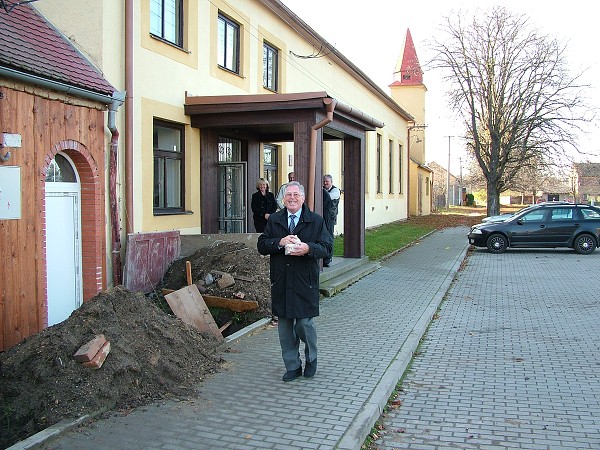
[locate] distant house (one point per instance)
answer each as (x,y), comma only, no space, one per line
(586,182)
(440,187)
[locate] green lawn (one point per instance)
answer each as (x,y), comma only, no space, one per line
(385,239)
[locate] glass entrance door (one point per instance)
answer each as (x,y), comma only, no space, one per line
(232,197)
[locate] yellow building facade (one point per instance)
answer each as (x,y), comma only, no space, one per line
(168,53)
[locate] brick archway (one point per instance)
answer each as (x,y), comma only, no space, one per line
(91,178)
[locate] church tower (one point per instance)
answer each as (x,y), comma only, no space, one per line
(408,90)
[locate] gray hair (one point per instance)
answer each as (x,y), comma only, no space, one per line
(295,183)
(327,177)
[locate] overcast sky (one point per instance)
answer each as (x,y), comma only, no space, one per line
(372,37)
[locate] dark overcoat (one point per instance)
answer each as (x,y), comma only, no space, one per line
(295,279)
(261,205)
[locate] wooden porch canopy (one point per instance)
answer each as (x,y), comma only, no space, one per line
(306,119)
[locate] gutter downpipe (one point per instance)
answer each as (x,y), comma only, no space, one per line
(129,125)
(330,104)
(408,170)
(119,98)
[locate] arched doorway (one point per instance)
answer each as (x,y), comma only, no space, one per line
(63,239)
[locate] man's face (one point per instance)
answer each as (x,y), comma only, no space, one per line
(291,176)
(327,183)
(293,199)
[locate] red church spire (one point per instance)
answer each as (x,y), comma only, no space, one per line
(408,70)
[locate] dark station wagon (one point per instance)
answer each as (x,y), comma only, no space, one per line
(542,226)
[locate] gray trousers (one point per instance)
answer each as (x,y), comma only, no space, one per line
(291,332)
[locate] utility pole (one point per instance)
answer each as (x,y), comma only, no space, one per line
(460,198)
(448,180)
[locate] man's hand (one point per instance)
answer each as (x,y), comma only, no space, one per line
(289,239)
(298,249)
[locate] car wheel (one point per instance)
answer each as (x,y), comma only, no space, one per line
(584,244)
(497,243)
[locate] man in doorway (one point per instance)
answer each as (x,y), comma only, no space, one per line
(281,193)
(295,238)
(334,194)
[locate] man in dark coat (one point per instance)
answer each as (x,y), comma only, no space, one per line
(329,224)
(295,238)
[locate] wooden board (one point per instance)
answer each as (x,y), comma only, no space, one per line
(189,306)
(222,302)
(230,303)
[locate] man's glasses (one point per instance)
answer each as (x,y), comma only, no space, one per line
(293,194)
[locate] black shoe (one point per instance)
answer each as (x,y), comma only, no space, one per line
(310,369)
(326,264)
(292,374)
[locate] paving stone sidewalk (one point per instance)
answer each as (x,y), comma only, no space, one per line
(367,334)
(512,362)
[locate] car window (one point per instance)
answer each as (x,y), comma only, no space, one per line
(561,214)
(589,213)
(533,216)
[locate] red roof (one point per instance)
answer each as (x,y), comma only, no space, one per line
(31,45)
(408,70)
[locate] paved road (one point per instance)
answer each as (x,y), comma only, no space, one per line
(367,334)
(513,361)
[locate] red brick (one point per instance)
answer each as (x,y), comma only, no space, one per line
(87,351)
(100,357)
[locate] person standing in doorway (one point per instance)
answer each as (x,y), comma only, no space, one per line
(263,205)
(280,194)
(295,238)
(331,220)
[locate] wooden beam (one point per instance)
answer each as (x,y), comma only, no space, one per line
(222,302)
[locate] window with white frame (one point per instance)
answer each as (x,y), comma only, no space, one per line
(228,44)
(379,163)
(270,67)
(166,20)
(391,166)
(400,178)
(168,145)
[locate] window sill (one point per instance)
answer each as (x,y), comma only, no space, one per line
(172,44)
(167,212)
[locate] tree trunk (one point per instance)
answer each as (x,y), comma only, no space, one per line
(493,199)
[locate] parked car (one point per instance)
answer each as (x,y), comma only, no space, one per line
(504,216)
(547,225)
(498,218)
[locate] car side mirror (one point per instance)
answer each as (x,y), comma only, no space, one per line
(520,222)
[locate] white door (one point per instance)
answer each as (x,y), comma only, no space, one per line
(63,245)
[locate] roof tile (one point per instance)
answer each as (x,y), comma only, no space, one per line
(33,46)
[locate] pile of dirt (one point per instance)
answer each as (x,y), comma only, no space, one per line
(249,269)
(153,355)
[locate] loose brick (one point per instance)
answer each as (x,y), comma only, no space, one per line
(100,357)
(87,351)
(225,281)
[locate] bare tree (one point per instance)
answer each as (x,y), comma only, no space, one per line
(511,86)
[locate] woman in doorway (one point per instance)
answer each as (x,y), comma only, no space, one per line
(263,205)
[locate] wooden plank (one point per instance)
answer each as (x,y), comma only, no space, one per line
(188,305)
(225,326)
(230,303)
(222,302)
